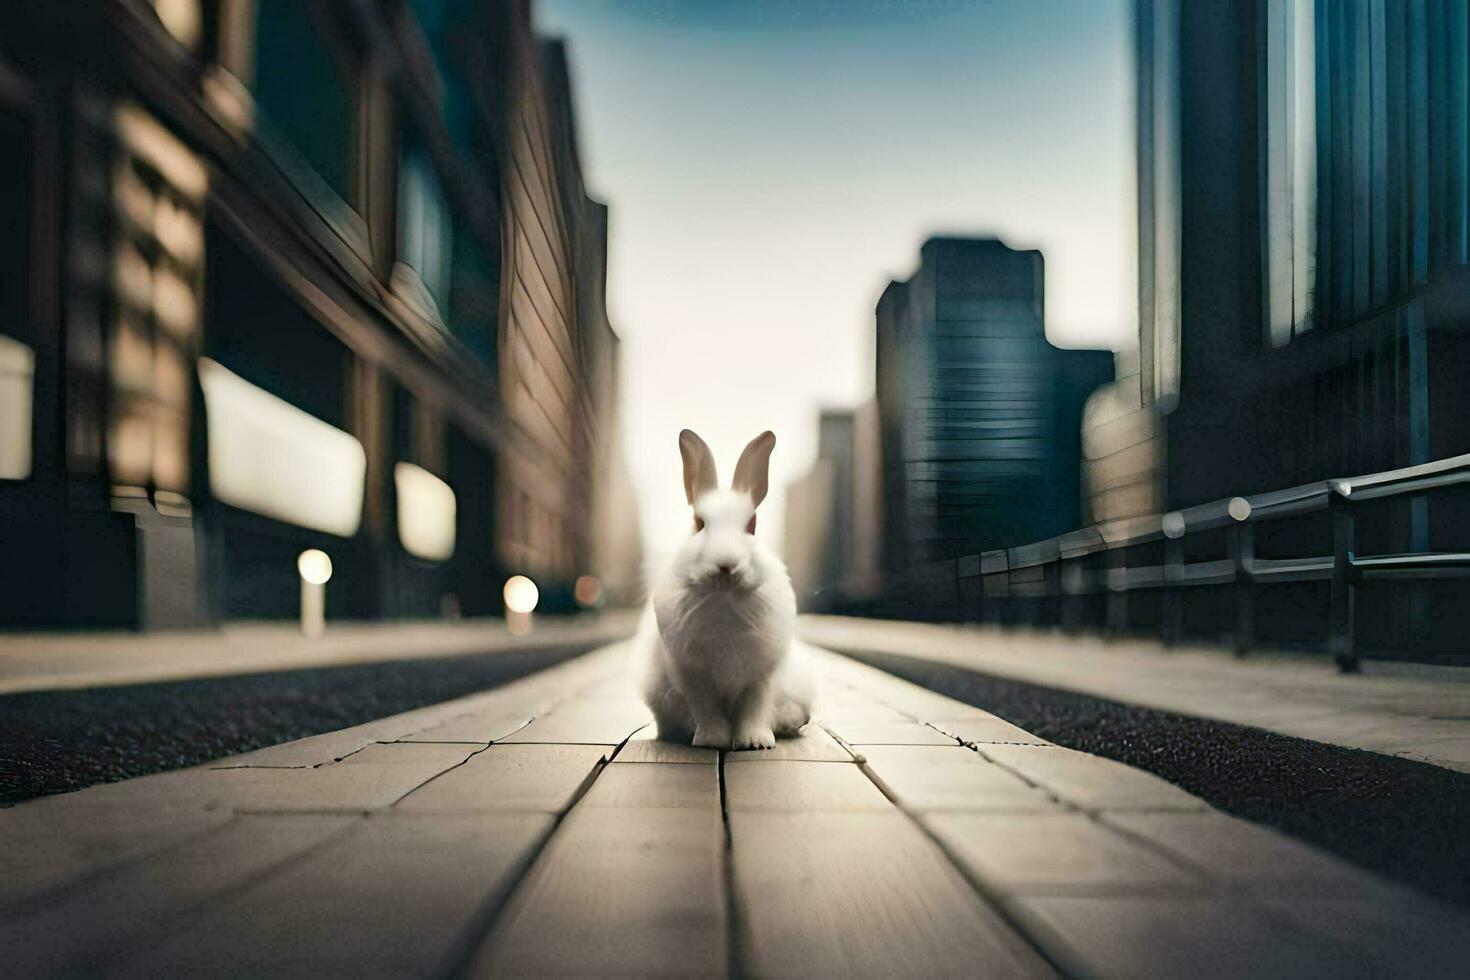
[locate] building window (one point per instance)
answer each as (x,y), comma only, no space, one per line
(158,189)
(270,457)
(1393,155)
(1289,168)
(17,369)
(302,88)
(452,30)
(474,295)
(17,358)
(443,267)
(425,233)
(426,513)
(1159,200)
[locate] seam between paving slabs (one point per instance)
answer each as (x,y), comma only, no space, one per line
(971,743)
(734,921)
(987,895)
(313,765)
(485,918)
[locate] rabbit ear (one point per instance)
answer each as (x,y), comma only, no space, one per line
(699,465)
(753,471)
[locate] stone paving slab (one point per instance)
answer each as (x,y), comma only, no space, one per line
(73,931)
(1415,711)
(1400,935)
(813,744)
(1089,781)
(657,784)
(394,898)
(863,734)
(1176,936)
(625,891)
(586,721)
(862,894)
(473,727)
(801,787)
(511,776)
(980,731)
(1056,852)
(47,846)
(883,841)
(1235,853)
(953,777)
(643,747)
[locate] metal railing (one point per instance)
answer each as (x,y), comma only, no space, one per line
(1060,573)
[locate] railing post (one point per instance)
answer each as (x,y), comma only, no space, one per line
(1008,615)
(1173,625)
(994,586)
(1051,579)
(1117,585)
(1342,638)
(1072,576)
(1243,556)
(971,592)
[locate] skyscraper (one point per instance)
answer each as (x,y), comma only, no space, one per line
(980,414)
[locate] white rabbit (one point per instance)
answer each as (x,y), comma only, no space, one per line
(721,668)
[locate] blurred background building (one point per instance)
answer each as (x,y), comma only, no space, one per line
(1303,238)
(980,415)
(977,431)
(1304,313)
(292,274)
(1304,293)
(833,530)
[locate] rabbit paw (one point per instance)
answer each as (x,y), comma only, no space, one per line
(712,734)
(754,737)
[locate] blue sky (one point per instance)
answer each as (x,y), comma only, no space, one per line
(771,165)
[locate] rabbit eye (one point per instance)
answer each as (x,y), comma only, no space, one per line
(698,524)
(750,528)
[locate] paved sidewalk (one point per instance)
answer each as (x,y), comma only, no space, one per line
(58,661)
(1413,711)
(536,830)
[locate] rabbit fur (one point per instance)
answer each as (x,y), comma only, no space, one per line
(718,633)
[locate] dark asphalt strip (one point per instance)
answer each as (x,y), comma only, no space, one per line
(56,741)
(1405,820)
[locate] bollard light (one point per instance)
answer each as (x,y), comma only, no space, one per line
(315,568)
(588,592)
(521,596)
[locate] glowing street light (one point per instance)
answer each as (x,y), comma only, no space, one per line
(315,568)
(587,591)
(521,596)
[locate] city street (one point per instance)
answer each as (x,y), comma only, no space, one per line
(537,829)
(404,403)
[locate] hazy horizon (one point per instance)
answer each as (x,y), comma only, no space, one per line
(769,167)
